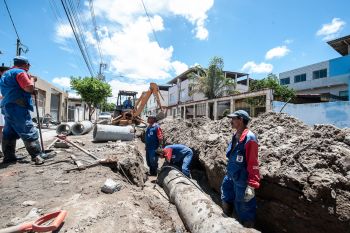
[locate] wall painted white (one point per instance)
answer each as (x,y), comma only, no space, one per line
(335,113)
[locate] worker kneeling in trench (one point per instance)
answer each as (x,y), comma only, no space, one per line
(242,173)
(177,155)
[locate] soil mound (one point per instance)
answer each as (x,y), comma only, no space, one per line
(305,170)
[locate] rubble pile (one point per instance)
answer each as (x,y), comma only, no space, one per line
(129,160)
(305,170)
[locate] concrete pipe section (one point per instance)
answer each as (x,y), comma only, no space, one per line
(65,128)
(104,133)
(198,212)
(82,127)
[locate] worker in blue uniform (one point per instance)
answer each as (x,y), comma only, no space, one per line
(17,87)
(177,155)
(154,140)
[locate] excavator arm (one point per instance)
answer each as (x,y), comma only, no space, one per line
(141,102)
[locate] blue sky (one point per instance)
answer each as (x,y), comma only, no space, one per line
(254,36)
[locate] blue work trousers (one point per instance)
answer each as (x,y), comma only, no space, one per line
(233,194)
(152,161)
(18,123)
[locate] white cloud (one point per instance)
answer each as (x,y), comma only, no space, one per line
(251,67)
(288,41)
(127,86)
(63,31)
(134,55)
(279,51)
(331,30)
(179,67)
(124,12)
(62,81)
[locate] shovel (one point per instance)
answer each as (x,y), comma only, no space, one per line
(38,120)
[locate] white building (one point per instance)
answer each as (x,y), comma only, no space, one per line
(151,107)
(77,110)
(328,77)
(179,92)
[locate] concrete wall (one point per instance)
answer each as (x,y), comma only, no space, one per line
(339,66)
(302,70)
(335,113)
(45,90)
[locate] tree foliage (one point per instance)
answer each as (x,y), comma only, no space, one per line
(211,81)
(280,92)
(91,90)
(107,107)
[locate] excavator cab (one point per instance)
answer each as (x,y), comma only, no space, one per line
(127,113)
(123,105)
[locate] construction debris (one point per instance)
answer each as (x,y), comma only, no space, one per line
(305,170)
(110,186)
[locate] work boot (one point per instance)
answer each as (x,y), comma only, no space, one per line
(249,224)
(227,209)
(34,149)
(9,150)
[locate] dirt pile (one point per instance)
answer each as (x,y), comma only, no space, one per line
(129,159)
(305,170)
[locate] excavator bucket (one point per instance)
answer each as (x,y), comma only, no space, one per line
(160,116)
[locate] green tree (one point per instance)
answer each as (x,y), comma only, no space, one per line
(107,107)
(91,90)
(280,92)
(211,81)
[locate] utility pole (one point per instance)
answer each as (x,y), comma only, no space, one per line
(100,75)
(18,48)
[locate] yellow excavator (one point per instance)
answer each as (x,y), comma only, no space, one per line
(129,116)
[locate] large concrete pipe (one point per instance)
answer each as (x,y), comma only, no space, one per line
(65,128)
(198,212)
(82,127)
(103,133)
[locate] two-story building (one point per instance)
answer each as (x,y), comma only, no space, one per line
(152,107)
(325,78)
(180,92)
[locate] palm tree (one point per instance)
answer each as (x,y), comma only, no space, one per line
(211,81)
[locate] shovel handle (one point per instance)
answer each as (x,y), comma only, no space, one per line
(59,217)
(20,228)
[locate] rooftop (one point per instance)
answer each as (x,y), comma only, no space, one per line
(183,76)
(341,45)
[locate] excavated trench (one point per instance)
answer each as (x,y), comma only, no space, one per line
(305,170)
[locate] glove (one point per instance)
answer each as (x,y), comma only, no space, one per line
(249,193)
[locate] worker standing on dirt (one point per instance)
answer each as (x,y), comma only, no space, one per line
(242,173)
(17,88)
(154,140)
(177,155)
(2,119)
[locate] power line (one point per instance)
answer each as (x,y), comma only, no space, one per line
(77,21)
(70,19)
(93,18)
(149,19)
(13,24)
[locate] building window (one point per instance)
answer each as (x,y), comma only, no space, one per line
(320,74)
(300,78)
(344,94)
(172,98)
(285,81)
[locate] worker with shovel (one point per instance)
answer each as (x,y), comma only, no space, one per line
(242,172)
(16,88)
(177,155)
(154,140)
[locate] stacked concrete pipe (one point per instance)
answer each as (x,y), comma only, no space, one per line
(198,212)
(83,127)
(65,128)
(104,133)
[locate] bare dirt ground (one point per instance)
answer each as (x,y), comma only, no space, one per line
(41,189)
